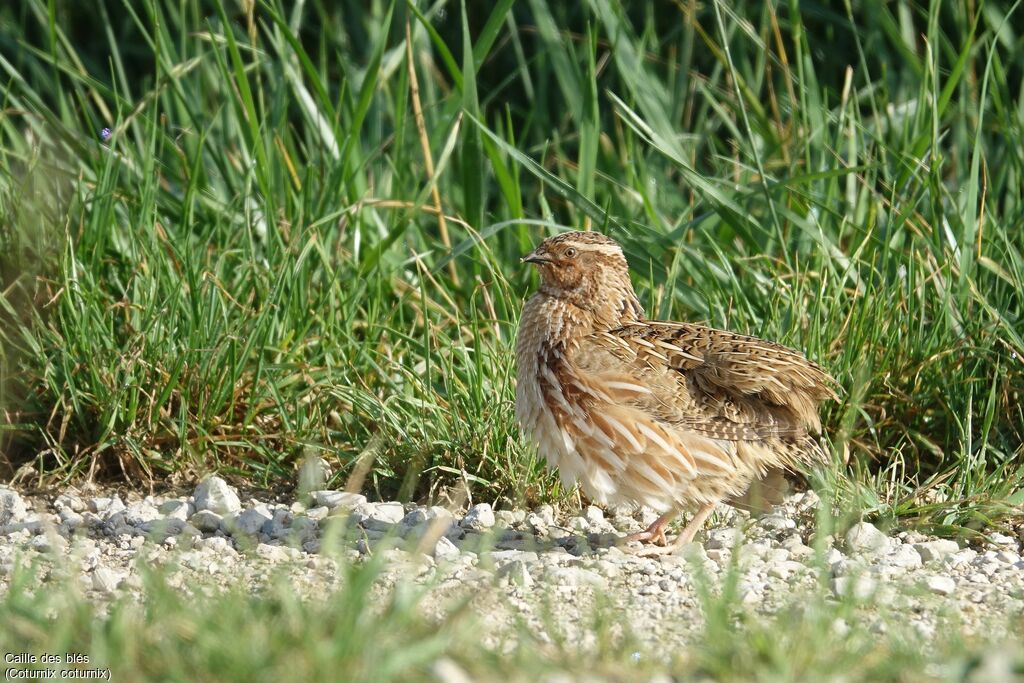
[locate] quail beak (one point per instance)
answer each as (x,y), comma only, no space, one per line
(534,257)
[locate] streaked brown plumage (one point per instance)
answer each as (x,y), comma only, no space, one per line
(670,415)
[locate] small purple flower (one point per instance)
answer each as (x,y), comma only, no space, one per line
(105,134)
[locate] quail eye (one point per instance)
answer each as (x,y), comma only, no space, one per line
(570,252)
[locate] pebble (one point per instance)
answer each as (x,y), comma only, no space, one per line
(865,538)
(379,516)
(575,576)
(935,550)
(905,556)
(445,550)
(339,499)
(249,522)
(517,572)
(480,516)
(214,494)
(106,580)
(859,587)
(940,585)
(206,521)
(12,507)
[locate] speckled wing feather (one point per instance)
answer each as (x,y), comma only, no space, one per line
(723,385)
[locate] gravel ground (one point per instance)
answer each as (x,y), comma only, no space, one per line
(510,563)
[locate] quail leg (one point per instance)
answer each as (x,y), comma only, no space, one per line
(684,537)
(655,533)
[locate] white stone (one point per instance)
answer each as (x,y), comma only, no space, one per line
(426,516)
(272,553)
(546,514)
(865,538)
(317,513)
(575,576)
(904,556)
(106,506)
(445,670)
(214,494)
(379,516)
(205,520)
(138,514)
(777,522)
(940,585)
(517,572)
(64,501)
(217,545)
(106,580)
(722,539)
(480,516)
(48,543)
(858,587)
(339,499)
(937,549)
(176,509)
(249,522)
(1008,556)
(1001,540)
(445,550)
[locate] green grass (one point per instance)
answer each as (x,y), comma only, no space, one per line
(254,267)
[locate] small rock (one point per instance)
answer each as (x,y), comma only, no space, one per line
(421,519)
(503,556)
(575,576)
(48,543)
(318,513)
(517,572)
(339,499)
(480,516)
(64,501)
(272,553)
(248,522)
(214,494)
(176,509)
(217,545)
(777,522)
(302,530)
(106,506)
(159,530)
(904,556)
(1007,556)
(445,670)
(138,514)
(106,580)
(280,523)
(379,516)
(865,538)
(206,521)
(445,550)
(858,587)
(546,514)
(579,524)
(832,555)
(1000,540)
(594,515)
(940,585)
(938,549)
(722,539)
